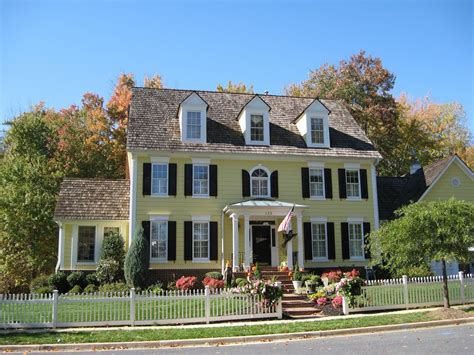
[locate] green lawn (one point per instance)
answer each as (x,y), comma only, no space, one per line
(196,333)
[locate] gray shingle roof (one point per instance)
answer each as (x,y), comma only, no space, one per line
(93,199)
(154,125)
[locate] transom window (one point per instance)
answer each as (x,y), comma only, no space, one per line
(259,182)
(352,183)
(111,230)
(201,180)
(159,240)
(256,128)
(201,240)
(193,125)
(317,130)
(318,233)
(159,179)
(356,240)
(316,182)
(86,243)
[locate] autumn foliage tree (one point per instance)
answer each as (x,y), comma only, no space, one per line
(238,88)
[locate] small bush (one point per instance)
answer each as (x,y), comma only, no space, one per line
(43,290)
(171,286)
(58,282)
(108,271)
(186,283)
(76,289)
(91,288)
(91,279)
(77,278)
(215,275)
(414,271)
(213,283)
(38,282)
(156,287)
(241,282)
(111,262)
(114,287)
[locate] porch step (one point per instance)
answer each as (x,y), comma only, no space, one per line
(293,297)
(301,311)
(297,304)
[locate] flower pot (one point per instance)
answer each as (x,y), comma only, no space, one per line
(297,284)
(311,285)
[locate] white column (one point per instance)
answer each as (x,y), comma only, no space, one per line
(299,219)
(235,241)
(373,177)
(248,256)
(60,247)
(133,197)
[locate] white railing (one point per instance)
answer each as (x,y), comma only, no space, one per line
(405,293)
(131,308)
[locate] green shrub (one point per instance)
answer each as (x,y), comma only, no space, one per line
(114,287)
(76,289)
(157,287)
(111,261)
(77,278)
(137,261)
(215,275)
(91,288)
(414,271)
(108,271)
(38,282)
(297,274)
(91,279)
(257,273)
(58,281)
(316,279)
(43,290)
(171,286)
(241,282)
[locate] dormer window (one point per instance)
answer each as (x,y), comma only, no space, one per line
(192,119)
(257,133)
(313,124)
(317,130)
(193,125)
(254,120)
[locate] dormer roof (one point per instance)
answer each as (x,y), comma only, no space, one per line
(254,99)
(315,102)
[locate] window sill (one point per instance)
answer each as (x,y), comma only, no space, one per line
(317,198)
(160,195)
(201,261)
(354,199)
(190,140)
(201,196)
(358,258)
(320,260)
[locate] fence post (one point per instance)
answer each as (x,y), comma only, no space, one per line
(345,306)
(279,303)
(207,304)
(132,306)
(55,308)
(461,284)
(405,290)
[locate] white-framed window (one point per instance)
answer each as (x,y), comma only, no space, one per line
(316,182)
(159,240)
(86,243)
(193,124)
(200,180)
(317,130)
(260,183)
(356,241)
(159,179)
(257,132)
(319,240)
(111,230)
(353,183)
(200,241)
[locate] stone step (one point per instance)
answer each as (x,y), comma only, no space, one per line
(276,273)
(301,311)
(297,304)
(303,316)
(293,297)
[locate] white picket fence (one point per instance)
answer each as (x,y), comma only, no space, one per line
(405,293)
(131,308)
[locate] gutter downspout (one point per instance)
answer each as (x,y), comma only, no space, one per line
(222,239)
(60,246)
(375,194)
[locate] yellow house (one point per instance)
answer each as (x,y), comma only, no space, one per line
(212,176)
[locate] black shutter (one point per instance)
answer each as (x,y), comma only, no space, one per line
(363,184)
(171,240)
(146,179)
(305,182)
(274,184)
(188,179)
(328,183)
(245,183)
(188,240)
(146,230)
(212,180)
(345,241)
(366,239)
(331,241)
(172,176)
(308,241)
(342,183)
(213,247)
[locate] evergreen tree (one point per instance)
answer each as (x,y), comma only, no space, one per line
(137,261)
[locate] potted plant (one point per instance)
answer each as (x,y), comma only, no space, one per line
(312,282)
(297,278)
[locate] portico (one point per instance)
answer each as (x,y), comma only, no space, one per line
(260,219)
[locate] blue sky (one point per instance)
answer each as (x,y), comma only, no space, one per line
(54,51)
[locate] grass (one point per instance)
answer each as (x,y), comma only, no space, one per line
(199,333)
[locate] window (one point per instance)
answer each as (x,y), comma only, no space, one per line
(86,244)
(259,182)
(318,234)
(193,125)
(201,241)
(111,230)
(159,240)
(316,182)
(352,183)
(159,179)
(200,180)
(317,130)
(356,241)
(256,128)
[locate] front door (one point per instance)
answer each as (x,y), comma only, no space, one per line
(261,236)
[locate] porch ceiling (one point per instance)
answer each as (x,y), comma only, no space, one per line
(260,205)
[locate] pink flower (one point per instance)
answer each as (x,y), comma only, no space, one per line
(337,301)
(321,301)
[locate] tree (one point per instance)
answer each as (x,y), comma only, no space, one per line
(239,88)
(438,230)
(137,260)
(112,257)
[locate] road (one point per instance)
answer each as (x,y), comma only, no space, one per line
(442,340)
